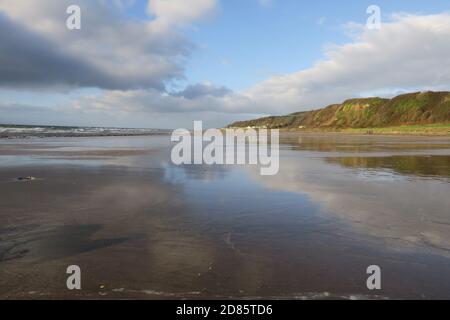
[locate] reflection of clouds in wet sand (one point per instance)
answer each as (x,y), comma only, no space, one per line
(401,211)
(48,243)
(436,167)
(148,239)
(210,231)
(184,173)
(332,142)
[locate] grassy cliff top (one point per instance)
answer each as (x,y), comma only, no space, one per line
(412,109)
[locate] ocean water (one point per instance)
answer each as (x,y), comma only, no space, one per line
(32,131)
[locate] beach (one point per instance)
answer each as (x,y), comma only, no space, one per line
(141,227)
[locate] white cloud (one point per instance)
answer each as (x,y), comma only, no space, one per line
(196,98)
(132,60)
(120,53)
(178,13)
(410,52)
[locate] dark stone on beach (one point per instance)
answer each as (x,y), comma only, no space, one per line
(29,178)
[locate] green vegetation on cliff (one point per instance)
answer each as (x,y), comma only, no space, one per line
(413,109)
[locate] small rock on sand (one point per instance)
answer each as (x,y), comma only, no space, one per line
(29,178)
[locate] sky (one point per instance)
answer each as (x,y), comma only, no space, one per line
(166,63)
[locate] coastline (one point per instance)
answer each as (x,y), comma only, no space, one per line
(72,135)
(44,131)
(436,130)
(26,132)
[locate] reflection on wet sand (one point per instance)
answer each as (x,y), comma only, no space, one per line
(386,197)
(333,142)
(399,211)
(424,166)
(34,242)
(140,227)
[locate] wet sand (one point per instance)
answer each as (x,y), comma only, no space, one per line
(140,227)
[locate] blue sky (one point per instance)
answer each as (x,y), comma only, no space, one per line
(142,63)
(246,43)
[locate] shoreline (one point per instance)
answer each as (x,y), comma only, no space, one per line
(45,131)
(74,135)
(359,133)
(388,131)
(290,131)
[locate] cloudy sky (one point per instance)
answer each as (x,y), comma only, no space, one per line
(166,63)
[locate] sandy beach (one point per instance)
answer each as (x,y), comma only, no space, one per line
(141,227)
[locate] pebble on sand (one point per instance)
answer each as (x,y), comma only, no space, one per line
(29,178)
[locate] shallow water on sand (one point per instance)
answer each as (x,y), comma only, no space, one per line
(141,227)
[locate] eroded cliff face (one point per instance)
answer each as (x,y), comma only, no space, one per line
(407,109)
